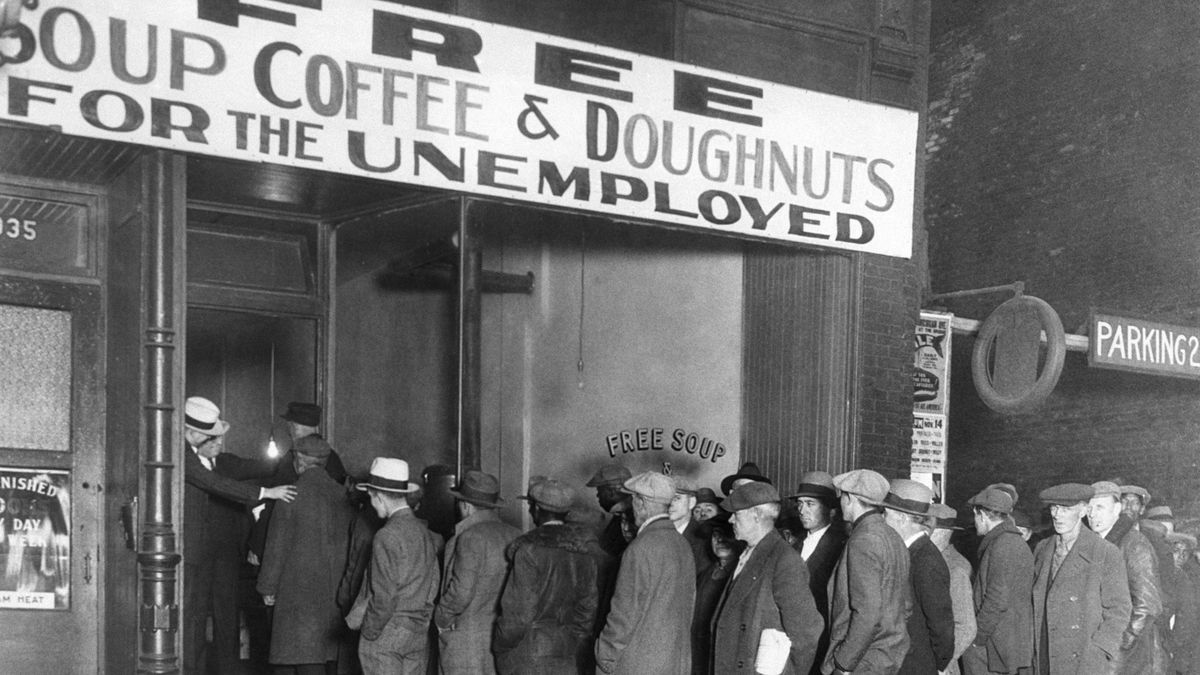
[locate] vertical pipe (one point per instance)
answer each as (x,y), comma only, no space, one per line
(470,318)
(158,554)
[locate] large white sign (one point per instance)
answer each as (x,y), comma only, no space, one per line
(378,89)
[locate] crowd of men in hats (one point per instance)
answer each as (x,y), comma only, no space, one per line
(848,574)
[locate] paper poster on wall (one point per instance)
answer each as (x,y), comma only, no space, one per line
(929,443)
(931,354)
(35,541)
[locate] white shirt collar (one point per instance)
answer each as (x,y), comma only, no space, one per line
(811,540)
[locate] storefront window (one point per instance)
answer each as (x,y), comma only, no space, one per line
(35,376)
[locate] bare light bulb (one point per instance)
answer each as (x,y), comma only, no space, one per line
(272,449)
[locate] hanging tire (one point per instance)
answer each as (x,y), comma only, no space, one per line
(1056,352)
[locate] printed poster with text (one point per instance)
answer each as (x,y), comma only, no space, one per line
(931,399)
(35,545)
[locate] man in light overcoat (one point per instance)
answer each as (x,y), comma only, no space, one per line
(1081,600)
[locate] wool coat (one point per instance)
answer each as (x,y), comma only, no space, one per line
(771,591)
(548,606)
(1141,649)
(962,602)
(1003,597)
(301,566)
(647,631)
(869,601)
(471,583)
(820,565)
(284,473)
(931,623)
(1079,613)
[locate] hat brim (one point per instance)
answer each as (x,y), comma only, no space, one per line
(476,501)
(219,429)
(727,481)
(380,488)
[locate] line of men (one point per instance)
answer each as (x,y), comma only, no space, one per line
(665,586)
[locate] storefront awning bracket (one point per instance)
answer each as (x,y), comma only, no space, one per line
(964,326)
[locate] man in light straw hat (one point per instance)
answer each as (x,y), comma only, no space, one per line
(548,607)
(869,595)
(931,623)
(206,495)
(647,630)
(395,603)
(473,578)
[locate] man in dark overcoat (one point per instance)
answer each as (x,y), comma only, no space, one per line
(474,576)
(817,502)
(647,631)
(931,623)
(548,606)
(1081,600)
(768,591)
(395,604)
(1002,590)
(302,564)
(869,594)
(1141,650)
(207,495)
(680,513)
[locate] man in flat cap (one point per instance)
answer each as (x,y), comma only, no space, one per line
(395,604)
(768,590)
(817,502)
(548,607)
(1081,601)
(1141,649)
(931,623)
(1002,590)
(940,526)
(302,564)
(869,594)
(1134,500)
(647,630)
(472,577)
(680,514)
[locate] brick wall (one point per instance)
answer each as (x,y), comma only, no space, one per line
(1062,150)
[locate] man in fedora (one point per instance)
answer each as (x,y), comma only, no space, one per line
(768,590)
(548,607)
(940,526)
(1081,603)
(303,420)
(817,502)
(707,505)
(749,472)
(869,594)
(207,497)
(303,562)
(1002,590)
(931,623)
(395,603)
(1141,648)
(647,630)
(473,577)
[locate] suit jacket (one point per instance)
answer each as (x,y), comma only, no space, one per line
(474,573)
(301,567)
(1003,592)
(770,592)
(402,577)
(931,623)
(1085,607)
(821,564)
(869,601)
(205,494)
(647,632)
